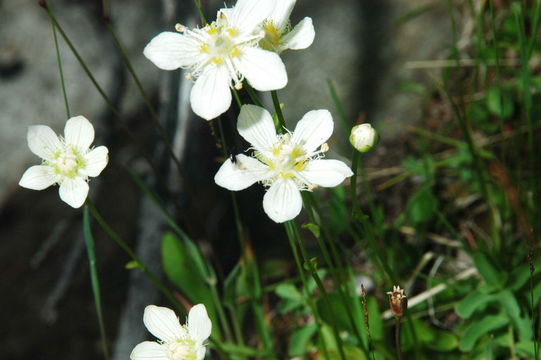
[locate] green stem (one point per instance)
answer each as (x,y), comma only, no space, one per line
(253,95)
(122,244)
(281,121)
(353,181)
(59,62)
(200,12)
(91,252)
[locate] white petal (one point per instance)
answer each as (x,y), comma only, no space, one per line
(96,160)
(242,173)
(200,355)
(313,129)
(73,191)
(169,50)
(247,14)
(301,36)
(163,323)
(43,141)
(211,95)
(79,131)
(38,177)
(264,69)
(326,173)
(255,125)
(281,12)
(149,350)
(199,324)
(282,202)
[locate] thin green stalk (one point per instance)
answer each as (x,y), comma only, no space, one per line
(200,12)
(279,113)
(535,28)
(122,244)
(59,62)
(91,252)
(338,105)
(146,99)
(295,231)
(291,237)
(353,181)
(253,95)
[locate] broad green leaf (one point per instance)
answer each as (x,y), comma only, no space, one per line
(288,291)
(444,341)
(332,310)
(499,103)
(421,206)
(472,302)
(300,338)
(374,319)
(487,269)
(414,328)
(350,352)
(479,328)
(525,348)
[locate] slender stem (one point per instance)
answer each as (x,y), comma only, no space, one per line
(59,62)
(90,250)
(353,181)
(122,244)
(338,105)
(397,338)
(279,114)
(253,95)
(197,4)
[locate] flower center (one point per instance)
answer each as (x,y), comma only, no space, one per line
(181,349)
(287,157)
(272,38)
(68,162)
(221,43)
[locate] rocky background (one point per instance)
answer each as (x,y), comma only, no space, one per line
(363,46)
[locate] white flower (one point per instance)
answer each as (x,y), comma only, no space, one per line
(220,54)
(363,137)
(67,161)
(278,33)
(285,163)
(175,341)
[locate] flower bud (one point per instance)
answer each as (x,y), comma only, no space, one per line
(398,301)
(363,137)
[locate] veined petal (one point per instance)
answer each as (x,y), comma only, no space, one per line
(38,177)
(149,350)
(96,160)
(242,173)
(200,355)
(326,173)
(79,132)
(264,69)
(170,50)
(247,14)
(313,129)
(255,125)
(199,324)
(282,11)
(73,191)
(43,141)
(211,95)
(301,37)
(163,323)
(282,202)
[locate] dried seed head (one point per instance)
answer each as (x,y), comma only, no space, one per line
(398,301)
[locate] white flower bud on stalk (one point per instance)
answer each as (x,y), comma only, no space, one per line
(363,137)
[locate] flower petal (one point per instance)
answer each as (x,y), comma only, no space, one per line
(281,12)
(200,355)
(170,50)
(326,173)
(96,160)
(247,14)
(79,132)
(301,37)
(163,323)
(149,350)
(73,191)
(199,324)
(282,202)
(211,95)
(241,174)
(43,141)
(255,125)
(38,177)
(313,129)
(264,69)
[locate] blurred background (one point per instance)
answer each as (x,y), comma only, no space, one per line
(365,47)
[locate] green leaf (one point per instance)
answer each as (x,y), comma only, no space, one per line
(374,319)
(300,338)
(288,291)
(313,228)
(487,269)
(132,265)
(333,312)
(479,328)
(234,349)
(475,300)
(525,348)
(499,103)
(351,353)
(422,206)
(422,332)
(444,341)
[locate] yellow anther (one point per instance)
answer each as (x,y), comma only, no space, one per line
(212,31)
(189,77)
(238,86)
(232,32)
(204,48)
(324,147)
(235,52)
(217,61)
(180,28)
